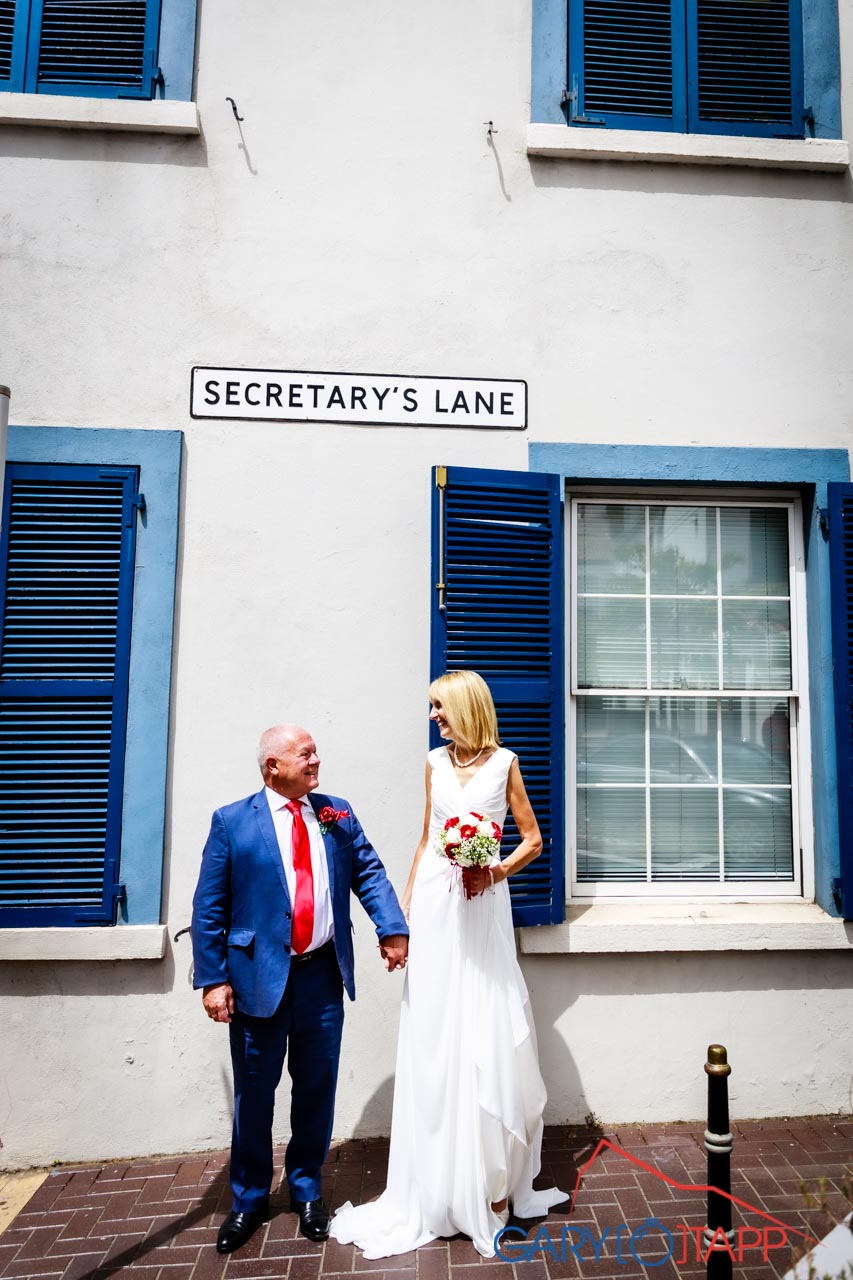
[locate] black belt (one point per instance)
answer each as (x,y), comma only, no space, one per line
(310,955)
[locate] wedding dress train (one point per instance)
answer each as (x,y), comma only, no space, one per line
(468,1096)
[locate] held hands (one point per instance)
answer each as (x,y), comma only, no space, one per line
(218,1002)
(394,951)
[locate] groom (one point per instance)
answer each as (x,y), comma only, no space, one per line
(272,947)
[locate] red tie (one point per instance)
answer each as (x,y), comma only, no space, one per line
(303,906)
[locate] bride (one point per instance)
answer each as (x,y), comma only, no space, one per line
(466,1131)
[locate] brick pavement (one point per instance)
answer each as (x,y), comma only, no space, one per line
(156,1219)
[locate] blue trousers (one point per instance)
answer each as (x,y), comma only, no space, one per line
(307,1027)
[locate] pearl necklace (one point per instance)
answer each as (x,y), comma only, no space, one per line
(468,763)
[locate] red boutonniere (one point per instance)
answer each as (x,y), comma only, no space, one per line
(327,817)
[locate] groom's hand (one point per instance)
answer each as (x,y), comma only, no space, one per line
(218,1002)
(394,951)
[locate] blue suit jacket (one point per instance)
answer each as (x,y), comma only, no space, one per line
(242,914)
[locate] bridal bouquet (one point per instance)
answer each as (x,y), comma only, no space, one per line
(469,840)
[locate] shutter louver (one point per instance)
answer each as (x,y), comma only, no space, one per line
(841,581)
(54,765)
(500,548)
(62,580)
(744,60)
(67,563)
(93,42)
(628,57)
(7,31)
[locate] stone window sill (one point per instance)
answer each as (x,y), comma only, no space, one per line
(559,142)
(600,927)
(124,942)
(52,111)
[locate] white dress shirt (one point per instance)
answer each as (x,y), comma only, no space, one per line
(324,927)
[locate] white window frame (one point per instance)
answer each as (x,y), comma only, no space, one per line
(802,885)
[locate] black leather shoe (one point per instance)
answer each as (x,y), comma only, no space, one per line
(313,1218)
(238,1228)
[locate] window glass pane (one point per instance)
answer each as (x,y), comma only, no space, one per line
(683,551)
(611,548)
(684,644)
(685,841)
(756,741)
(754,551)
(611,834)
(683,740)
(758,835)
(611,740)
(756,644)
(611,643)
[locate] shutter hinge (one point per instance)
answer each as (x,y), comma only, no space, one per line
(808,119)
(137,503)
(157,79)
(823,522)
(569,100)
(119,892)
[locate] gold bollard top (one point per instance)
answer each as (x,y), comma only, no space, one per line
(717,1064)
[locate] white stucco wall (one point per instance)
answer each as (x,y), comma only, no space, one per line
(364,222)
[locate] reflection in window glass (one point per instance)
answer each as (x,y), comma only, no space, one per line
(685,652)
(757,834)
(756,644)
(611,834)
(684,836)
(611,548)
(756,741)
(611,740)
(683,740)
(611,643)
(683,551)
(754,551)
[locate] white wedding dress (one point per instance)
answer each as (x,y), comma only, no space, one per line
(468,1095)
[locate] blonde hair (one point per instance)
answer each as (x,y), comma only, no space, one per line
(467,699)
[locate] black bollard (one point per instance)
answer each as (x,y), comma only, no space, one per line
(718,1144)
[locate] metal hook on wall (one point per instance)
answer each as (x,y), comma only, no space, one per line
(491,129)
(237,116)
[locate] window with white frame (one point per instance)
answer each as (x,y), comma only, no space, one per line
(687,707)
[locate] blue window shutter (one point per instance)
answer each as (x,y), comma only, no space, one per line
(626,64)
(745,67)
(93,48)
(687,66)
(66,566)
(14,24)
(498,551)
(841,579)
